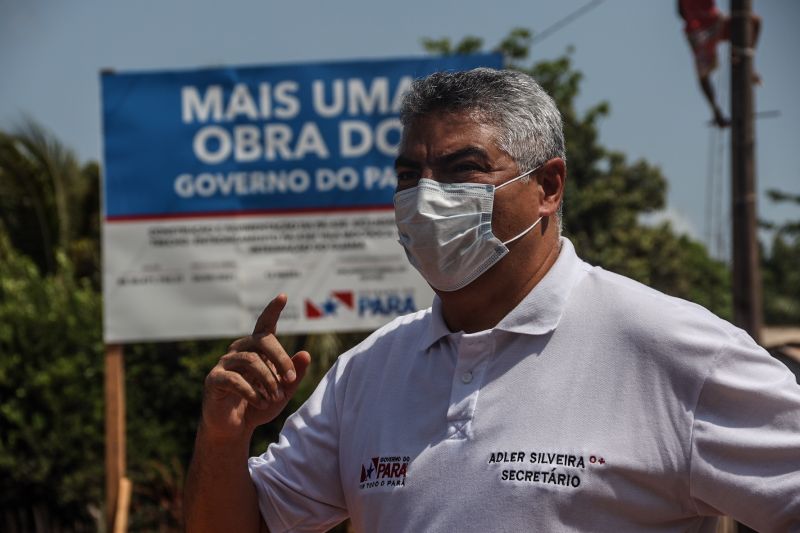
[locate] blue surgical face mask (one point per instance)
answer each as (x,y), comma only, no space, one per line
(446,230)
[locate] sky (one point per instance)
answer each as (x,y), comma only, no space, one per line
(632,54)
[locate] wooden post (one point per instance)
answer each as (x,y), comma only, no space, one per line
(124,502)
(115,427)
(726,524)
(747,312)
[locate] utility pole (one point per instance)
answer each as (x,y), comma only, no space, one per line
(746,269)
(746,266)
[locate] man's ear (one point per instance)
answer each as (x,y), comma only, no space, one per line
(551,178)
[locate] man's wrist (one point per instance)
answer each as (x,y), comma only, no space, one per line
(232,441)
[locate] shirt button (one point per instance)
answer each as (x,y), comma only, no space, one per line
(466,377)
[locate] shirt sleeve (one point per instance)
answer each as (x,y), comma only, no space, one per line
(745,450)
(297,479)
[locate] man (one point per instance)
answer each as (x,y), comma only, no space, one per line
(705,26)
(538,393)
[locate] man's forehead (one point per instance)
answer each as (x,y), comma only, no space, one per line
(450,130)
(460,117)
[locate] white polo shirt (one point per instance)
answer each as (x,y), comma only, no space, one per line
(597,404)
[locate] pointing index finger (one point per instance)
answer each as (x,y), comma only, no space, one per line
(268,319)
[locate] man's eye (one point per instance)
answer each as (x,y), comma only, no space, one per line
(405,175)
(466,172)
(467,168)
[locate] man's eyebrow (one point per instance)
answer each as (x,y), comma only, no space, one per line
(445,159)
(403,161)
(462,153)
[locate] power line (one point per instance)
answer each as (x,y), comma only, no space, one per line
(540,36)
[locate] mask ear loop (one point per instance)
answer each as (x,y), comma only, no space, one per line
(509,241)
(509,182)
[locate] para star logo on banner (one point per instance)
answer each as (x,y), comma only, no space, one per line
(330,306)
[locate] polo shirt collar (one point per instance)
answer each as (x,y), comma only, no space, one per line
(539,312)
(437,328)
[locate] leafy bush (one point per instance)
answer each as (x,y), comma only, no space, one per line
(51,385)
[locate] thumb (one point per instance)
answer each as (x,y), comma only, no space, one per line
(301,360)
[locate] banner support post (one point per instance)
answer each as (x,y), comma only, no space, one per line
(114,428)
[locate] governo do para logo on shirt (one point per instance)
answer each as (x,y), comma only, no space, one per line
(384,471)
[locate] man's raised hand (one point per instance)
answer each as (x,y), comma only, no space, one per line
(253,382)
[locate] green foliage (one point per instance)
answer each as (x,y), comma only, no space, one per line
(51,379)
(781,282)
(164,384)
(781,196)
(443,46)
(48,201)
(516,46)
(780,270)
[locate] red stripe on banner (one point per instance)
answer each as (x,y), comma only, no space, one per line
(346,297)
(250,213)
(312,311)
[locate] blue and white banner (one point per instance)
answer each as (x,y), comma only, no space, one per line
(223,187)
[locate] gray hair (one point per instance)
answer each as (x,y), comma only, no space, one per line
(525,116)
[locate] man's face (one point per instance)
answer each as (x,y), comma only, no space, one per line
(457,148)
